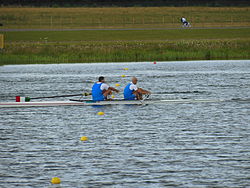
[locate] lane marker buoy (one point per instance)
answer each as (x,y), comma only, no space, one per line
(84,138)
(55,180)
(100,113)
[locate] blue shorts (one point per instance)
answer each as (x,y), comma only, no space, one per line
(100,98)
(131,97)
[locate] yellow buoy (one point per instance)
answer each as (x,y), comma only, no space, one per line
(117,85)
(125,68)
(112,96)
(55,180)
(84,138)
(123,76)
(100,113)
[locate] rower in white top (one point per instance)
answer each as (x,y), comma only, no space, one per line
(132,92)
(185,23)
(101,90)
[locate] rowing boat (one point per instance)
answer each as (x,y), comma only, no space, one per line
(100,103)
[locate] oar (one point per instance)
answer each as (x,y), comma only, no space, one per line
(27,99)
(146,97)
(177,92)
(58,96)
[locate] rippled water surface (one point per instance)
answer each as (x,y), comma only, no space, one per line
(163,145)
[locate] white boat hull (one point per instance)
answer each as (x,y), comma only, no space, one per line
(99,103)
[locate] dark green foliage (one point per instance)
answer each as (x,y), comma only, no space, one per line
(124,3)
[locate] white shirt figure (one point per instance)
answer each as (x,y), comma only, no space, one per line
(133,87)
(183,20)
(104,86)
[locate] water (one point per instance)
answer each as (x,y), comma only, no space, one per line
(163,145)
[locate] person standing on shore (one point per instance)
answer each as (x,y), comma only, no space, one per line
(184,22)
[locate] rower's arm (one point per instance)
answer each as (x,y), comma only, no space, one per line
(143,91)
(113,89)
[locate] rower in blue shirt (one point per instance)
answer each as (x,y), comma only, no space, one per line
(101,90)
(132,92)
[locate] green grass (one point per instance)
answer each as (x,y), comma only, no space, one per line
(128,35)
(124,51)
(115,17)
(124,46)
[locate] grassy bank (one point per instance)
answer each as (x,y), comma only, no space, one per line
(125,35)
(122,51)
(130,17)
(124,46)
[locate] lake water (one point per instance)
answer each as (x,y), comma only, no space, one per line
(163,145)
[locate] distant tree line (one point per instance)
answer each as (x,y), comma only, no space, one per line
(123,3)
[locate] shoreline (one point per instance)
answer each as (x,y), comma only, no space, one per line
(35,52)
(123,51)
(143,62)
